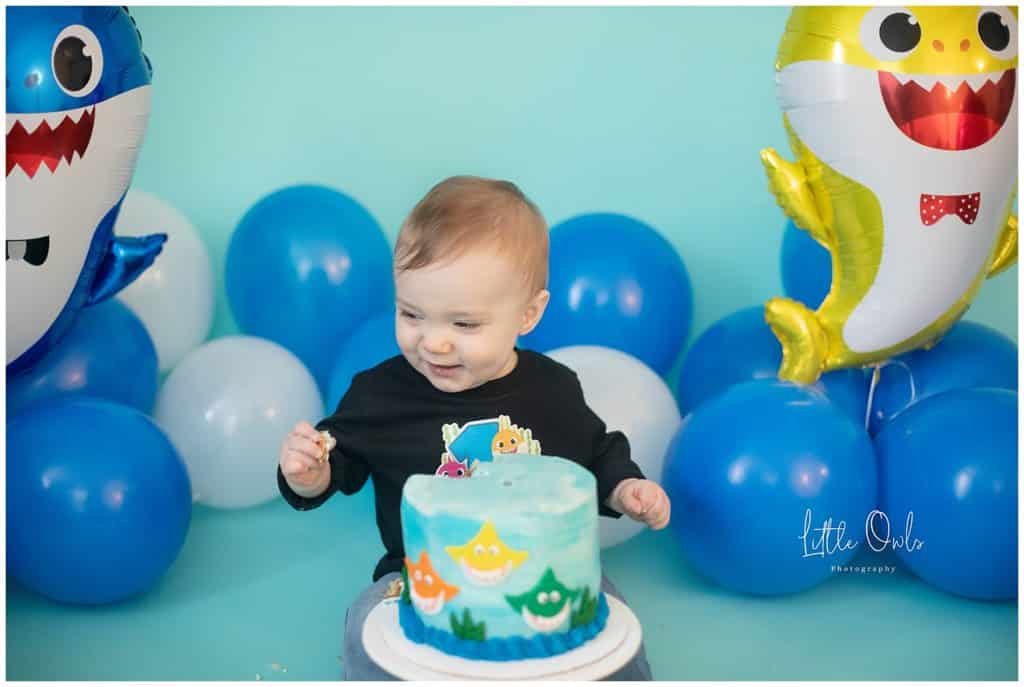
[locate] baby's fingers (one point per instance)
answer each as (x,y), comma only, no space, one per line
(298,463)
(659,515)
(304,429)
(305,446)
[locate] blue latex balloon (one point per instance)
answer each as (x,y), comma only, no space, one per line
(806,267)
(305,267)
(370,344)
(98,501)
(108,354)
(753,472)
(970,355)
(616,282)
(951,460)
(741,347)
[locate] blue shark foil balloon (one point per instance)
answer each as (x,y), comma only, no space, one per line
(78,91)
(904,124)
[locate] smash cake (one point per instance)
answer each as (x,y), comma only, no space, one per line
(503,565)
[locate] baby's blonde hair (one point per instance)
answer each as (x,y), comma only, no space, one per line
(467,212)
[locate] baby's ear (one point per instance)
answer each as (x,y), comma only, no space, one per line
(534,311)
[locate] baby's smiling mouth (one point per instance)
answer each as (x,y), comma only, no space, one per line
(949,112)
(442,370)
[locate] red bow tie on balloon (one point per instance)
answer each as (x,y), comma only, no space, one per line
(934,208)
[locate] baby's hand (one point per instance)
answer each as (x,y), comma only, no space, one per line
(642,500)
(303,459)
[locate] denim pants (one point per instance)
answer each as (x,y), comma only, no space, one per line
(359,666)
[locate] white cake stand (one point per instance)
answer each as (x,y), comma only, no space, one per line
(387,645)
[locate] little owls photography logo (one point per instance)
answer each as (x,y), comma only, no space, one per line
(831,538)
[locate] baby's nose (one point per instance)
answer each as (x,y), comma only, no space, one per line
(437,343)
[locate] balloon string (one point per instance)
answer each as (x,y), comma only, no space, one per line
(875,375)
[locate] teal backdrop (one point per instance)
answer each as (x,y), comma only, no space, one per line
(655,112)
(658,113)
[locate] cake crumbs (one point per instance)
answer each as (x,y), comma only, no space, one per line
(326,443)
(394,589)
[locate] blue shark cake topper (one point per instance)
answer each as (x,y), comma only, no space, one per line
(78,93)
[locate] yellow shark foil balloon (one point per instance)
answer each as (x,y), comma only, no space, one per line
(904,125)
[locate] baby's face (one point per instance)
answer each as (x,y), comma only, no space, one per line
(457,322)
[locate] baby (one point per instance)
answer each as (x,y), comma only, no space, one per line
(470,270)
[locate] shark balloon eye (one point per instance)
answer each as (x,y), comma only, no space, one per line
(890,33)
(77,60)
(997,29)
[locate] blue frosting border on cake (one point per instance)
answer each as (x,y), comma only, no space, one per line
(501,648)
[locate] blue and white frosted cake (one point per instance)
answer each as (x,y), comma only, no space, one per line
(504,565)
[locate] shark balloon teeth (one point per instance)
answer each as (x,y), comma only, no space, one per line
(46,144)
(948,113)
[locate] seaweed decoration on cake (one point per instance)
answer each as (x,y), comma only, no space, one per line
(485,559)
(404,598)
(547,605)
(466,628)
(587,610)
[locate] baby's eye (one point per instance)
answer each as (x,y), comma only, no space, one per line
(410,315)
(542,598)
(467,325)
(494,550)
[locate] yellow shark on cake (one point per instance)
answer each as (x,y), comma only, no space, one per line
(904,125)
(485,559)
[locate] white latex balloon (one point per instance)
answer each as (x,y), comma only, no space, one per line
(174,297)
(227,407)
(631,398)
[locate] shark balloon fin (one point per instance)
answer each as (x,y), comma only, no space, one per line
(125,259)
(788,183)
(1005,254)
(804,341)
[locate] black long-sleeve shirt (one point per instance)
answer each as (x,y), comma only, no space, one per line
(389,426)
